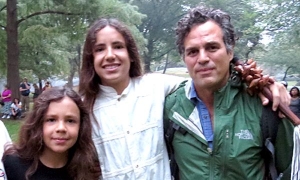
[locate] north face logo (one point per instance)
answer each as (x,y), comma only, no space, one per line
(244,134)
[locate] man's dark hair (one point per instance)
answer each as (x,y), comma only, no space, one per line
(201,15)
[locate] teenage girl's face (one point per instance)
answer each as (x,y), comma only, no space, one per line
(61,126)
(111,58)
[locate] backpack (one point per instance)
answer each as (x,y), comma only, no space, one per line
(269,126)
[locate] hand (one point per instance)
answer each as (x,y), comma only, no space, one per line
(280,95)
(262,84)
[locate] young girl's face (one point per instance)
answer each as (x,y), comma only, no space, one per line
(111,59)
(61,126)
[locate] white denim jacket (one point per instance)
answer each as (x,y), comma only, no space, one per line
(128,131)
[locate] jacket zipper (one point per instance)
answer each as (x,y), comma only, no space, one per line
(225,153)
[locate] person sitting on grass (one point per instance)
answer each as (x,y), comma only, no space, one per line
(16,108)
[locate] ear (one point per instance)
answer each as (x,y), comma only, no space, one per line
(230,54)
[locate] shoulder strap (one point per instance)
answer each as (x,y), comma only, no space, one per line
(169,132)
(169,135)
(269,126)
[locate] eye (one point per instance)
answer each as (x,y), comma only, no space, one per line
(192,52)
(71,121)
(119,46)
(98,49)
(212,48)
(50,120)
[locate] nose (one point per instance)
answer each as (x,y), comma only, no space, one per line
(203,57)
(61,126)
(110,55)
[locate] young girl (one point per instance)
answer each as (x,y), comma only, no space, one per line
(16,108)
(126,106)
(54,141)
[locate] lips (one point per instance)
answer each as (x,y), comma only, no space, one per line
(111,66)
(60,140)
(204,70)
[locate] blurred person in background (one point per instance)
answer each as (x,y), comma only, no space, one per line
(16,108)
(284,83)
(36,92)
(295,101)
(47,86)
(25,91)
(6,98)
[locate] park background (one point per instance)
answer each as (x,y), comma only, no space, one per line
(43,39)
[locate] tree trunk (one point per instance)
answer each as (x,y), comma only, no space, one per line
(13,79)
(285,73)
(166,64)
(147,63)
(72,72)
(147,57)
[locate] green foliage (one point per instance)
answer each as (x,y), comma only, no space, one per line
(281,55)
(51,30)
(158,28)
(281,19)
(49,41)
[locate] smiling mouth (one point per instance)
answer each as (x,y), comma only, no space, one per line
(111,66)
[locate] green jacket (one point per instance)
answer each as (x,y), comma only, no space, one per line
(237,143)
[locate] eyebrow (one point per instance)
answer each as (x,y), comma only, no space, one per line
(205,45)
(114,42)
(212,43)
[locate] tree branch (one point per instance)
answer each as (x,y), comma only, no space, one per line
(44,12)
(4,7)
(162,54)
(3,27)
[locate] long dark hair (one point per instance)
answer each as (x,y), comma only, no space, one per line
(89,80)
(30,144)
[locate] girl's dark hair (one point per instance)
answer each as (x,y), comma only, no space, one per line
(82,155)
(89,80)
(15,100)
(200,15)
(298,94)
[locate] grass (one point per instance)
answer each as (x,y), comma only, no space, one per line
(13,127)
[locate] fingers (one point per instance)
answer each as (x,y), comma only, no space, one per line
(257,83)
(280,95)
(281,115)
(275,94)
(263,99)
